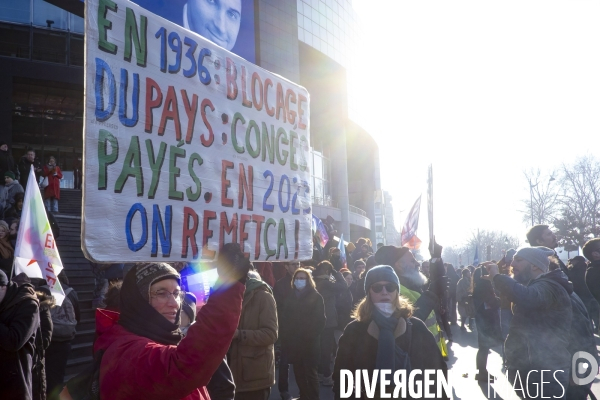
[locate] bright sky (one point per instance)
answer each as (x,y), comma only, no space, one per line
(482,90)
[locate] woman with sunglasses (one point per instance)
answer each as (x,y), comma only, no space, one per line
(142,352)
(302,323)
(385,336)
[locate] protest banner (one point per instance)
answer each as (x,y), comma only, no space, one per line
(36,253)
(188,146)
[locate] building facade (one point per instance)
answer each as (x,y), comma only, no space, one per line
(306,41)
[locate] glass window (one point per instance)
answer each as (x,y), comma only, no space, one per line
(45,13)
(15,11)
(318,190)
(15,41)
(76,50)
(49,46)
(76,23)
(318,166)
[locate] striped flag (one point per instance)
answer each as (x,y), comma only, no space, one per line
(409,230)
(319,231)
(36,253)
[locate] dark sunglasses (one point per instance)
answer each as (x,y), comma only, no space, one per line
(378,287)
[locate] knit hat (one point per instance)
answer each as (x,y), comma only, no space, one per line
(148,274)
(510,253)
(10,174)
(538,256)
(3,279)
(381,273)
(359,262)
(188,305)
(388,255)
(4,224)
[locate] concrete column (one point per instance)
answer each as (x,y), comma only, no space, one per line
(339,180)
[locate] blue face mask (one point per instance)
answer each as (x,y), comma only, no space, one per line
(300,283)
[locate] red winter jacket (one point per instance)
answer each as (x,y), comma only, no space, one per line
(53,188)
(136,367)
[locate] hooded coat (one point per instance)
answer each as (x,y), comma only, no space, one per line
(19,321)
(538,337)
(135,366)
(251,355)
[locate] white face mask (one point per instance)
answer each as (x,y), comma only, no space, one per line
(300,283)
(387,309)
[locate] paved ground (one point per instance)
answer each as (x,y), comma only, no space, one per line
(461,367)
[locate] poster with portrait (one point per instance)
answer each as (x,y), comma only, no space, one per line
(188,146)
(227,23)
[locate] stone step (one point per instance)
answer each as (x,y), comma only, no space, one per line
(84,336)
(81,350)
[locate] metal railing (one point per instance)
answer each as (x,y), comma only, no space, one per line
(357,210)
(324,201)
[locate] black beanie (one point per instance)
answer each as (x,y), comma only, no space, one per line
(148,274)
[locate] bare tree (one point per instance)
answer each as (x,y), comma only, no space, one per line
(579,202)
(543,204)
(495,241)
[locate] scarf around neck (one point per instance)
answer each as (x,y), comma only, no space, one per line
(386,345)
(139,317)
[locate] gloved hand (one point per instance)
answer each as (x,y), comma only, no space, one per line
(232,266)
(435,249)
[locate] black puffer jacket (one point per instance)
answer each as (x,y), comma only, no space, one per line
(19,321)
(538,337)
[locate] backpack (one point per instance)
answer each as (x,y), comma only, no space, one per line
(63,319)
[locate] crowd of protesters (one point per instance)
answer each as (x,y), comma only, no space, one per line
(374,310)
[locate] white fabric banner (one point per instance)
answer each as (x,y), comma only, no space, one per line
(36,253)
(188,146)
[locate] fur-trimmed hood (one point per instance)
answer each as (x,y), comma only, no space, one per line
(45,298)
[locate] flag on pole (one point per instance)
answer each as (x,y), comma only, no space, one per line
(476,258)
(36,253)
(342,251)
(430,202)
(319,231)
(409,230)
